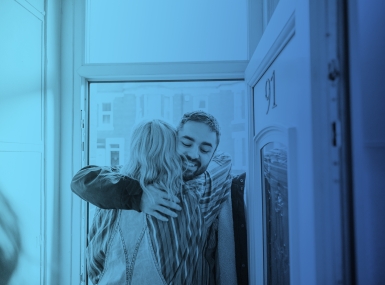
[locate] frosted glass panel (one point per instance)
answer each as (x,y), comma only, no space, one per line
(121,31)
(275,214)
(21,74)
(23,190)
(21,118)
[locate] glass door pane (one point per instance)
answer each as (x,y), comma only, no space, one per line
(275,214)
(126,104)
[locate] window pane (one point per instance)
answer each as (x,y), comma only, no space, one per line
(106,119)
(106,107)
(133,102)
(121,31)
(114,158)
(275,214)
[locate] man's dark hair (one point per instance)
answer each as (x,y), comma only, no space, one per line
(201,117)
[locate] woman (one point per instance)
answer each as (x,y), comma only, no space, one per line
(130,247)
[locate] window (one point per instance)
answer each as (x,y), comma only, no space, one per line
(200,102)
(114,151)
(106,115)
(167,107)
(135,31)
(168,101)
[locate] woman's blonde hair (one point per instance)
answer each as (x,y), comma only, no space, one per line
(153,157)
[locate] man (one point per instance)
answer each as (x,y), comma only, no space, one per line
(198,139)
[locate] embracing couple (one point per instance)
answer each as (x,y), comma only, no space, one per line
(158,214)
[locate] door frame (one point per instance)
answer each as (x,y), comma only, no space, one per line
(75,78)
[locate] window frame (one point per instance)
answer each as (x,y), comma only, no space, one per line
(223,71)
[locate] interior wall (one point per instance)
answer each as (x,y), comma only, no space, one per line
(367,105)
(29,92)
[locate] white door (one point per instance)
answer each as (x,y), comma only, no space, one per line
(293,206)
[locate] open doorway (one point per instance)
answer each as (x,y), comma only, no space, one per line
(114,108)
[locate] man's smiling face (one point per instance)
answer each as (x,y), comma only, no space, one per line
(196,144)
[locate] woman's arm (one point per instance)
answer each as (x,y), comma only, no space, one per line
(106,188)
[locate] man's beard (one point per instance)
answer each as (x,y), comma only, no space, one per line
(192,168)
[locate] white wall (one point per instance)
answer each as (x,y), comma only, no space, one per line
(367,70)
(29,93)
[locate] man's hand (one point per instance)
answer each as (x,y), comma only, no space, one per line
(157,204)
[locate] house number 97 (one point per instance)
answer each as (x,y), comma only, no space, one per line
(270,92)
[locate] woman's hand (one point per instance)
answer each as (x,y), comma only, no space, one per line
(157,203)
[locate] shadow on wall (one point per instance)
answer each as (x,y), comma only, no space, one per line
(10,241)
